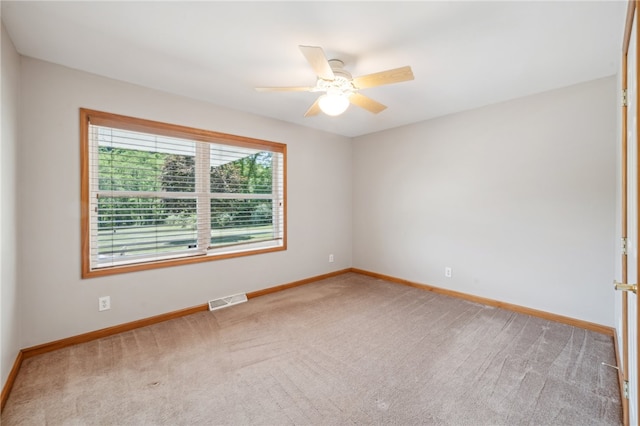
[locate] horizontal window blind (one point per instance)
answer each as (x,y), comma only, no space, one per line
(154,197)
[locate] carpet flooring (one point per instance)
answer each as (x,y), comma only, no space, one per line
(346,350)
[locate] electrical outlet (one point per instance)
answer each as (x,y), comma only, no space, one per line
(331,258)
(104,303)
(447,272)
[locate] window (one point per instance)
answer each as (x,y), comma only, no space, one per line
(156,194)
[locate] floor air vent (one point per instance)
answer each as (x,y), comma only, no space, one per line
(223,302)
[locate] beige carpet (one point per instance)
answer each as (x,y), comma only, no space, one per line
(347,350)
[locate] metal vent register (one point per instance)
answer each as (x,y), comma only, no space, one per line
(223,302)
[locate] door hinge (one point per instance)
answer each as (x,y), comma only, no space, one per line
(623,245)
(624,98)
(625,389)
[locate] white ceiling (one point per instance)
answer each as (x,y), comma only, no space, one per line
(463,54)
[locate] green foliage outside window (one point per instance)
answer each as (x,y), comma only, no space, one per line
(138,170)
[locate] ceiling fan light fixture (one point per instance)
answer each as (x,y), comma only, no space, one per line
(340,87)
(333,104)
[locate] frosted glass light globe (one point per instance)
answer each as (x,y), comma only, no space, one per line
(333,103)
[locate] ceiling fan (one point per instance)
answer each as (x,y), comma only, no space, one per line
(339,87)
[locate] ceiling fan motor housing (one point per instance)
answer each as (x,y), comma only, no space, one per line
(337,66)
(342,82)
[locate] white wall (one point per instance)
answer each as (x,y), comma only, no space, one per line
(518,198)
(56,303)
(9,342)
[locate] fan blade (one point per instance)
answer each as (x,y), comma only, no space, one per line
(318,61)
(313,109)
(396,75)
(284,89)
(367,103)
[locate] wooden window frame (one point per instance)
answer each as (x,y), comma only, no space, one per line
(88,117)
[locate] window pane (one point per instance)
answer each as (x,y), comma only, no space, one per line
(122,169)
(130,227)
(235,221)
(245,172)
(131,161)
